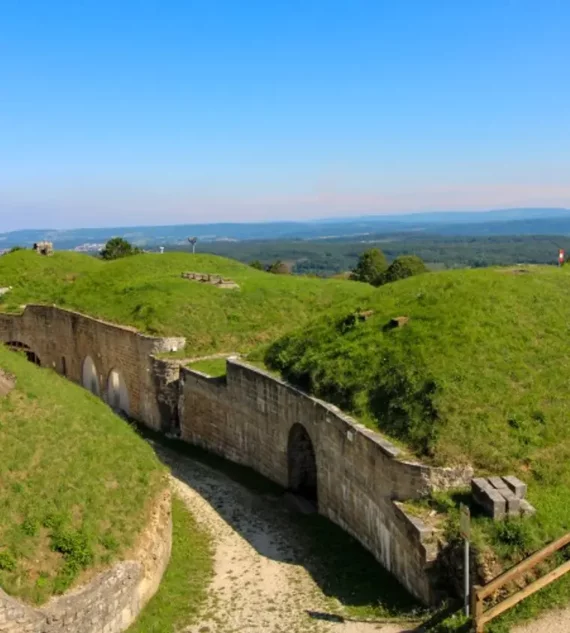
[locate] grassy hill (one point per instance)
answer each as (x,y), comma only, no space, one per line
(147,291)
(479,374)
(75,482)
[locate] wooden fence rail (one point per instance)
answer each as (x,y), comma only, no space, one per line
(479,593)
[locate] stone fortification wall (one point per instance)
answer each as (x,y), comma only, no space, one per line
(112,600)
(69,342)
(252,418)
(248,417)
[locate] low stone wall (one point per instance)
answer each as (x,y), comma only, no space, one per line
(113,599)
(247,417)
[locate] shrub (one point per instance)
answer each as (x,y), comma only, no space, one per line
(7,561)
(400,268)
(117,247)
(371,264)
(75,547)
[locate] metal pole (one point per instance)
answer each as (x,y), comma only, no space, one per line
(466,565)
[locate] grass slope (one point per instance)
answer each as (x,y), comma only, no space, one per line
(478,375)
(182,591)
(147,291)
(75,482)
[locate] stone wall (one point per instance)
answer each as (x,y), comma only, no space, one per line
(247,417)
(112,600)
(63,340)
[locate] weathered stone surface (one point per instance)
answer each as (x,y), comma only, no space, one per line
(63,340)
(248,418)
(516,485)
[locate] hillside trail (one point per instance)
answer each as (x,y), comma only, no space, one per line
(259,585)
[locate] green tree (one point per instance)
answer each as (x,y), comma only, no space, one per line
(117,247)
(257,264)
(371,264)
(402,267)
(16,248)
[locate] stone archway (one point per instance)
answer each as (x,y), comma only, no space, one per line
(89,376)
(17,346)
(302,463)
(117,392)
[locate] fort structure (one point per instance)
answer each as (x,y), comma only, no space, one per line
(352,474)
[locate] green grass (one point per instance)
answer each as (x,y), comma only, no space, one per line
(75,482)
(214,367)
(184,585)
(147,291)
(478,376)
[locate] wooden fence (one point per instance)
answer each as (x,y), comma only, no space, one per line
(479,593)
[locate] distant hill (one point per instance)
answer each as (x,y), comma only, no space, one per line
(536,221)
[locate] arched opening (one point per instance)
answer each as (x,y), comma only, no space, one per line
(89,378)
(17,346)
(117,393)
(302,463)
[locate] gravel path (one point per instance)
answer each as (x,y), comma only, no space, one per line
(259,585)
(552,622)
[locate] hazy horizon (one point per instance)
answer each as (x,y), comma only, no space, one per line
(196,112)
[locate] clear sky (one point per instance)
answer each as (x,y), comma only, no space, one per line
(123,112)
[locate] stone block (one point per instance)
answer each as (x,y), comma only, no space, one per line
(497,482)
(513,502)
(516,485)
(526,508)
(489,498)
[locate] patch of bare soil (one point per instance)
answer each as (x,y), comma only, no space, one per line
(259,584)
(6,384)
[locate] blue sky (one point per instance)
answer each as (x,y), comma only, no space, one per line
(166,112)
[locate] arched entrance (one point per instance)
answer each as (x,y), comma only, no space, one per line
(89,377)
(16,346)
(117,393)
(302,463)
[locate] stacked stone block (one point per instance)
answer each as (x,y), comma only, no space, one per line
(501,497)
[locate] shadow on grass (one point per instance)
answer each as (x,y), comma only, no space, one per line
(256,508)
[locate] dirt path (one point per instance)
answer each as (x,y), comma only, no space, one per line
(551,622)
(257,585)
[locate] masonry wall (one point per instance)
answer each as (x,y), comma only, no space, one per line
(112,600)
(62,339)
(247,417)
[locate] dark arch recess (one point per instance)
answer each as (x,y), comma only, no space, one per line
(17,346)
(302,463)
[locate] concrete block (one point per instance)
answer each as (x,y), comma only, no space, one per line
(527,509)
(516,485)
(497,482)
(513,502)
(489,498)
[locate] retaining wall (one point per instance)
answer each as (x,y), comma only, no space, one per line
(247,418)
(112,600)
(63,339)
